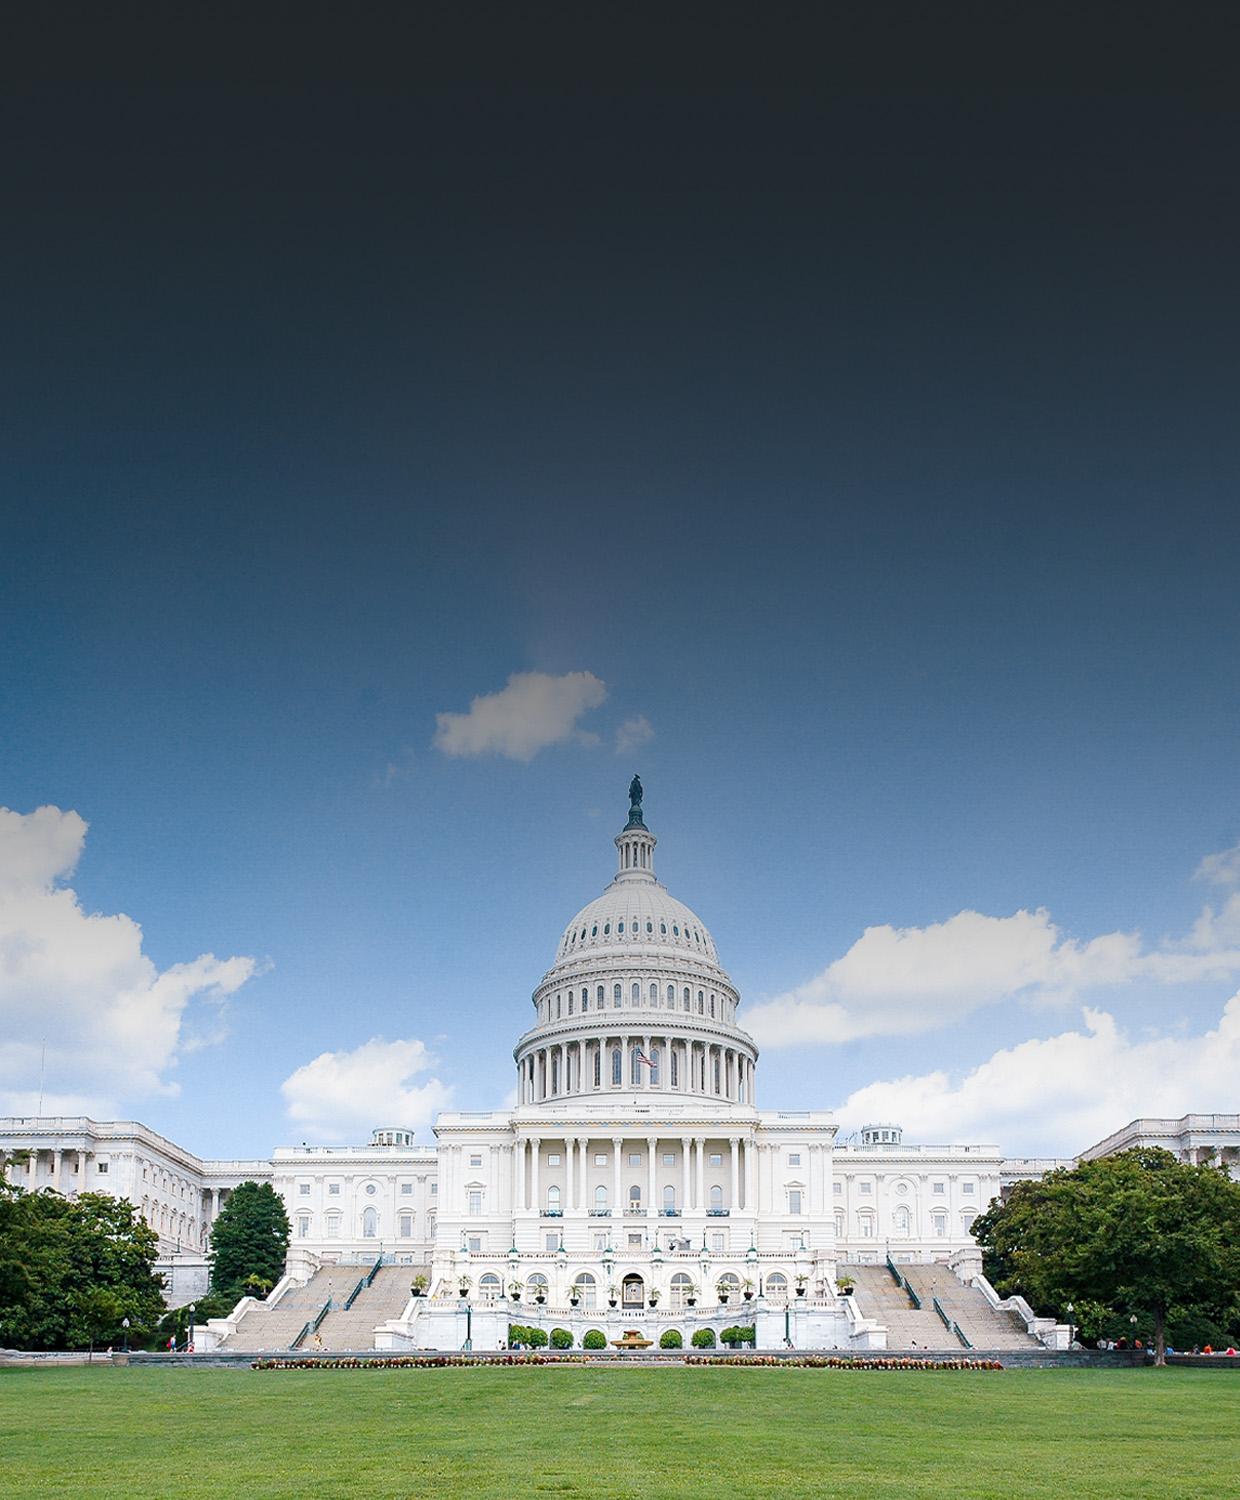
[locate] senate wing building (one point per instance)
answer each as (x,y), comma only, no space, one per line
(635,1185)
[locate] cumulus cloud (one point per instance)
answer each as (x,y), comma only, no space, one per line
(340,1096)
(113,1023)
(902,981)
(634,733)
(1222,868)
(1061,1094)
(533,710)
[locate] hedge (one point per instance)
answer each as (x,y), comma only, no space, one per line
(561,1338)
(671,1339)
(704,1338)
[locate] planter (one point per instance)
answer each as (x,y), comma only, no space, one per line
(611,1302)
(748,1296)
(540,1300)
(800,1291)
(689,1302)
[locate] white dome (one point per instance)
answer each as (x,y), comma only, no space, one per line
(639,916)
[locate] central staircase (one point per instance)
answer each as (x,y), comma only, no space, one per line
(967,1319)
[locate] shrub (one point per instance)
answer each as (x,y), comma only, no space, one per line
(594,1339)
(704,1338)
(518,1333)
(561,1338)
(671,1339)
(536,1338)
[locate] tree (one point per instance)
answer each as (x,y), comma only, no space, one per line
(249,1238)
(1137,1233)
(72,1268)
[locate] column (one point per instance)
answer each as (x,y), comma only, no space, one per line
(700,1143)
(686,1181)
(83,1157)
(537,1201)
(56,1159)
(570,1160)
(734,1202)
(617,1206)
(750,1176)
(646,1045)
(652,1147)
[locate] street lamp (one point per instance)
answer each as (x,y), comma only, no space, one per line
(1133,1324)
(1069,1310)
(192,1310)
(124,1335)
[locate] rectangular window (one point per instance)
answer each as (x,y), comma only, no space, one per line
(600,1159)
(406,1190)
(553,1160)
(102,1166)
(794,1200)
(600,1242)
(303,1189)
(669,1158)
(475,1244)
(552,1241)
(837,1188)
(717,1243)
(635,1159)
(406,1226)
(794,1158)
(865,1187)
(333,1189)
(716,1159)
(939,1187)
(434,1188)
(475,1161)
(303,1227)
(635,1241)
(967,1188)
(475,1200)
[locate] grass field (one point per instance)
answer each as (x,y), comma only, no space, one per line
(674,1433)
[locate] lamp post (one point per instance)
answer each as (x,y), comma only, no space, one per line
(1132,1323)
(124,1335)
(192,1310)
(1069,1310)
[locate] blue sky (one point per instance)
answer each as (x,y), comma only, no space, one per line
(874,448)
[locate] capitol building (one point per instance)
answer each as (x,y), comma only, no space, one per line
(636,1183)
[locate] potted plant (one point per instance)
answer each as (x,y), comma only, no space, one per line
(514,1290)
(747,1289)
(691,1295)
(574,1294)
(845,1285)
(540,1293)
(723,1288)
(418,1289)
(653,1296)
(801,1279)
(466,1283)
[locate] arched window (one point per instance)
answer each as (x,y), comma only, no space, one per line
(370,1224)
(558,1007)
(656,1059)
(776,1287)
(839,1223)
(570,1002)
(587,1289)
(654,995)
(701,1003)
(716,1198)
(635,1066)
(901,1221)
(585,1001)
(333,1226)
(671,996)
(675,1068)
(635,1199)
(865,1224)
(600,1200)
(939,1220)
(555,1072)
(716,1073)
(598,1067)
(553,1199)
(489,1287)
(303,1226)
(669,1199)
(681,1289)
(537,1283)
(712,1005)
(616,995)
(687,998)
(599,996)
(635,993)
(617,1067)
(405,1228)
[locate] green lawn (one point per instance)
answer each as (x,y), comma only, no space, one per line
(670,1433)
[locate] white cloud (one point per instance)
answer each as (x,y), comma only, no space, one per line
(1222,868)
(532,711)
(1062,1094)
(634,733)
(903,981)
(112,1022)
(341,1096)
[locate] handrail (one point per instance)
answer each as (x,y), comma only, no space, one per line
(938,1307)
(950,1323)
(312,1326)
(960,1334)
(374,1271)
(349,1300)
(903,1283)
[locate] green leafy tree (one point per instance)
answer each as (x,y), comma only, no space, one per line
(73,1268)
(594,1339)
(561,1338)
(249,1238)
(1139,1233)
(704,1338)
(670,1339)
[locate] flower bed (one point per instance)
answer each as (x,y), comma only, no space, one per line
(473,1361)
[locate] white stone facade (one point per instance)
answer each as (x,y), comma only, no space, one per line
(636,1167)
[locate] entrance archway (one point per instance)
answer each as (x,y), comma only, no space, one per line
(633,1291)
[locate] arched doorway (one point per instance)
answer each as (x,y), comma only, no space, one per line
(633,1291)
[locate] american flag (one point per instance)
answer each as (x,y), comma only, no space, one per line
(642,1058)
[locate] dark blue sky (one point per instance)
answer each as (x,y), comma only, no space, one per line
(857,400)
